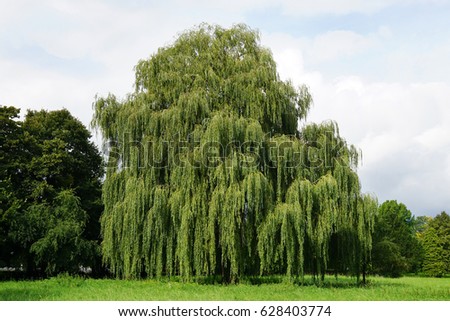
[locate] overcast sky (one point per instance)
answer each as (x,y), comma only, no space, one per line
(381,69)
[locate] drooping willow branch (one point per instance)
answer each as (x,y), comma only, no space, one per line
(208,173)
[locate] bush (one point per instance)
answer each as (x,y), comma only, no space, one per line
(387,260)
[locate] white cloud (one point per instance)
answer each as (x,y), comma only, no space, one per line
(318,7)
(435,138)
(401,128)
(13,11)
(335,44)
(289,58)
(35,88)
(403,133)
(303,8)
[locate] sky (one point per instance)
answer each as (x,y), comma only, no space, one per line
(380,69)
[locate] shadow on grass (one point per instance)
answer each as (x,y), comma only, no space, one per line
(342,282)
(248,280)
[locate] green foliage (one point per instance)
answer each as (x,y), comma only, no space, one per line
(396,247)
(50,179)
(436,244)
(61,246)
(208,173)
(435,263)
(387,259)
(10,173)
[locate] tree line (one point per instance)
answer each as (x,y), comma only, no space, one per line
(207,174)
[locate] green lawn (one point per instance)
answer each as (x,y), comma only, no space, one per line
(67,288)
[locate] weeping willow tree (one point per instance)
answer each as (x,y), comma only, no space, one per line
(208,173)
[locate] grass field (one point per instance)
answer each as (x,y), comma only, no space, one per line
(79,289)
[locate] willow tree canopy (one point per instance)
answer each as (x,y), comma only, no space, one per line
(208,173)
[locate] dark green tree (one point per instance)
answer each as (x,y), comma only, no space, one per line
(54,158)
(387,259)
(55,231)
(396,248)
(11,169)
(208,173)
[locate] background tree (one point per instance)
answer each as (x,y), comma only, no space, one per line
(208,173)
(11,153)
(55,187)
(396,248)
(436,244)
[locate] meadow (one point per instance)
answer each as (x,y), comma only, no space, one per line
(65,288)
